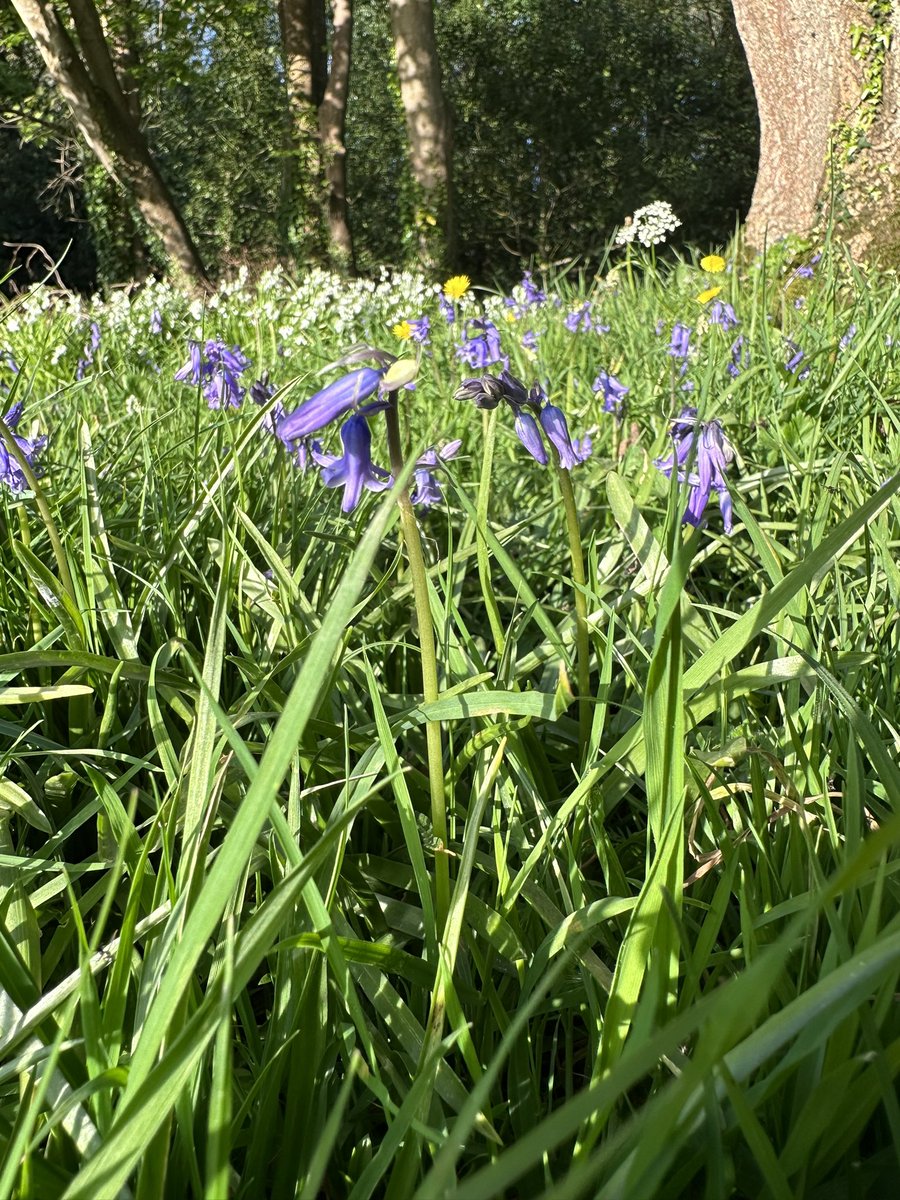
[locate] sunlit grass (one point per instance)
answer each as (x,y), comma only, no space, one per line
(670,960)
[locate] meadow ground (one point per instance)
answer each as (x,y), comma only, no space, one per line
(589,892)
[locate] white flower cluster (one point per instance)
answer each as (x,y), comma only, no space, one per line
(649,225)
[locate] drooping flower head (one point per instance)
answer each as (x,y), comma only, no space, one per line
(680,344)
(427,490)
(330,403)
(796,357)
(614,392)
(554,424)
(11,473)
(581,321)
(481,347)
(700,456)
(354,470)
(721,313)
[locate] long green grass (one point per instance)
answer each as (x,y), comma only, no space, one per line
(671,955)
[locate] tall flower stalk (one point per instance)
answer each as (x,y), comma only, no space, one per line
(579,578)
(430,688)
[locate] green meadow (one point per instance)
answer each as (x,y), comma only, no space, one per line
(532,843)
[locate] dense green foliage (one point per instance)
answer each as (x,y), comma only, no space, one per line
(566,116)
(671,960)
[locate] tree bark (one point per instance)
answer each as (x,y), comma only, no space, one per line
(315,188)
(427,126)
(99,108)
(827,83)
(332,122)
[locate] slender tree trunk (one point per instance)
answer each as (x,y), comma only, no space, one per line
(428,128)
(315,186)
(90,88)
(827,80)
(332,122)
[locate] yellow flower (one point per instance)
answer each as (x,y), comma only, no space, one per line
(712,263)
(456,288)
(402,330)
(510,315)
(706,296)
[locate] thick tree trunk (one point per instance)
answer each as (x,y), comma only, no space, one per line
(828,93)
(428,127)
(100,111)
(314,187)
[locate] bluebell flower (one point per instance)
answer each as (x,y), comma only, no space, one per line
(427,490)
(10,472)
(740,357)
(721,313)
(192,369)
(580,321)
(514,391)
(848,337)
(532,293)
(95,338)
(553,422)
(354,470)
(485,392)
(680,344)
(711,452)
(156,321)
(262,390)
(481,349)
(330,403)
(614,392)
(796,358)
(420,331)
(529,434)
(447,309)
(529,340)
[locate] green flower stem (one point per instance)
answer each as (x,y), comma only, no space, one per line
(62,564)
(489,425)
(430,690)
(582,641)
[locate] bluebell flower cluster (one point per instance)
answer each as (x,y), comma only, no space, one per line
(427,489)
(700,456)
(218,369)
(535,417)
(582,321)
(90,349)
(796,357)
(481,347)
(11,473)
(721,313)
(740,356)
(614,393)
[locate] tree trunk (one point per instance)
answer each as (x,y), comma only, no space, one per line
(332,120)
(315,188)
(428,128)
(100,111)
(827,80)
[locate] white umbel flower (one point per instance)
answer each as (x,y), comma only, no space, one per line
(649,225)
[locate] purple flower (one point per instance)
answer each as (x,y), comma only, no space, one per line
(796,358)
(262,390)
(10,472)
(95,339)
(553,423)
(614,392)
(529,340)
(713,453)
(420,331)
(740,357)
(532,293)
(680,345)
(222,389)
(191,371)
(848,337)
(529,434)
(330,403)
(427,491)
(354,470)
(481,349)
(156,321)
(485,392)
(580,321)
(721,313)
(447,309)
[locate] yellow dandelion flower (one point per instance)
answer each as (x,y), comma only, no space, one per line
(708,295)
(402,330)
(456,288)
(713,263)
(510,316)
